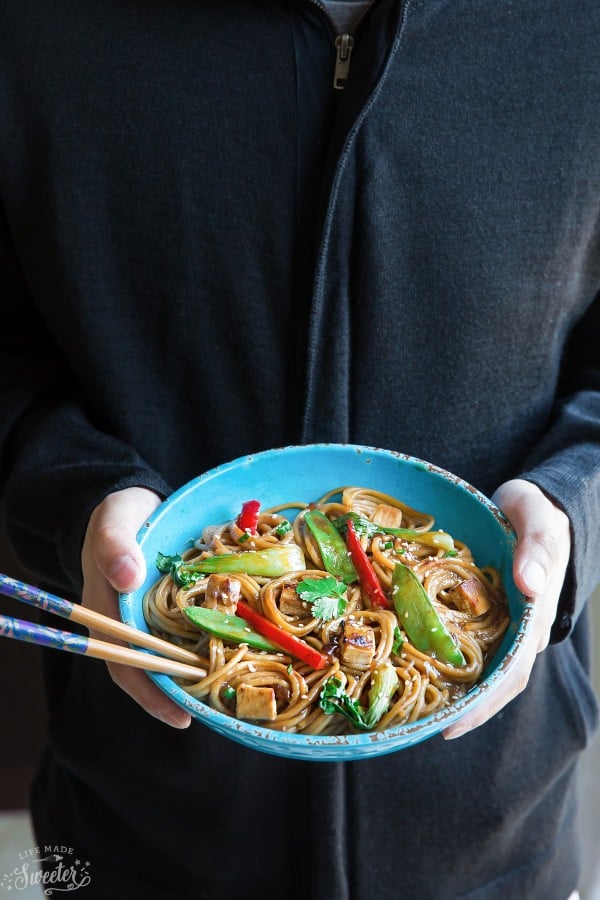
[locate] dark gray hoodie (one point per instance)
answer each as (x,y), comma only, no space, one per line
(205,251)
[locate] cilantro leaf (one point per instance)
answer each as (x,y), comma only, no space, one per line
(325,594)
(362,526)
(168,565)
(312,589)
(176,568)
(334,699)
(328,607)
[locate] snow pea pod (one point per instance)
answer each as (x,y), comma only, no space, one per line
(419,619)
(334,553)
(228,627)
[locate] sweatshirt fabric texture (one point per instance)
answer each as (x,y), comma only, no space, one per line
(205,251)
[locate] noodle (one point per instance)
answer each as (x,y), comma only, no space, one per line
(363,646)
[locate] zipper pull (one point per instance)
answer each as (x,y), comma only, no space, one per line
(343,51)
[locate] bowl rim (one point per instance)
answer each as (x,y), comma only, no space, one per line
(345,746)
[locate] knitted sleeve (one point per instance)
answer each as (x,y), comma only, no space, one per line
(566,464)
(55,463)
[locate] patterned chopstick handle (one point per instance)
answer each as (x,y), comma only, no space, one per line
(34,596)
(21,630)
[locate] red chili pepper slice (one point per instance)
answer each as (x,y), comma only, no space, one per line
(248,518)
(288,642)
(367,575)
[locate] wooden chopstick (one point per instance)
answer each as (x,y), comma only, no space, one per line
(20,630)
(34,596)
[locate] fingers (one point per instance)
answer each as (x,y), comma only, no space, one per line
(514,682)
(112,561)
(543,538)
(111,536)
(541,557)
(141,689)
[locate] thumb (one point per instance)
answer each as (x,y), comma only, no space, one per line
(542,535)
(111,536)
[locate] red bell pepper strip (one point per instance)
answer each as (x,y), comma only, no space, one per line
(248,518)
(288,642)
(367,575)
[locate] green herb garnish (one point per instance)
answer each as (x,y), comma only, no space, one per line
(364,527)
(398,641)
(334,699)
(326,595)
(282,528)
(175,567)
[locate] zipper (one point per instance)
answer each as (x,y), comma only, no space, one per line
(331,181)
(343,45)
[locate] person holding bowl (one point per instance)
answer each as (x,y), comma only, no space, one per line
(228,227)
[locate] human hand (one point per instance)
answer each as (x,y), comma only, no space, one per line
(541,557)
(112,561)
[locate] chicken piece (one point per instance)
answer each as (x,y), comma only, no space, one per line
(471,596)
(290,604)
(388,516)
(358,646)
(222,593)
(256,703)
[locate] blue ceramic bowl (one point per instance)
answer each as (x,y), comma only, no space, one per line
(305,473)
